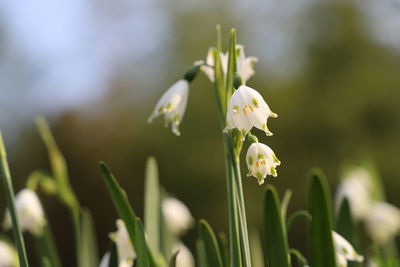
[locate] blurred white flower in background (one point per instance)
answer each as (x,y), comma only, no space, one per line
(177,215)
(356,188)
(245,66)
(383,222)
(261,161)
(344,251)
(248,109)
(8,255)
(126,252)
(172,105)
(185,257)
(29,211)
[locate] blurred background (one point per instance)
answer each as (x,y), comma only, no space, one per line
(95,69)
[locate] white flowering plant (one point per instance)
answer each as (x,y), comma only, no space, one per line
(157,241)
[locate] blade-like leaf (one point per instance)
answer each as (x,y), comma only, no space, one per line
(257,255)
(152,205)
(285,203)
(142,259)
(223,247)
(46,247)
(113,262)
(320,206)
(89,254)
(9,192)
(231,64)
(294,216)
(277,250)
(121,203)
(211,245)
(201,254)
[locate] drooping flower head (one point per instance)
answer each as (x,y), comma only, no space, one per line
(126,252)
(172,105)
(344,251)
(177,215)
(261,161)
(383,222)
(246,109)
(8,255)
(356,188)
(29,211)
(245,66)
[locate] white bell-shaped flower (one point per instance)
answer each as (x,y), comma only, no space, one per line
(126,252)
(344,251)
(177,216)
(246,109)
(261,161)
(29,211)
(356,188)
(8,255)
(105,261)
(383,222)
(245,66)
(172,105)
(185,257)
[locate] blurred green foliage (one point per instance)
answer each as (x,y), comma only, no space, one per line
(342,104)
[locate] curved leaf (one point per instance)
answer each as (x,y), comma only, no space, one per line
(211,245)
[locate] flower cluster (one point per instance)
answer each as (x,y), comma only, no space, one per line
(381,219)
(246,108)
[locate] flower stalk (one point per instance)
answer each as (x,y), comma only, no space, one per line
(9,190)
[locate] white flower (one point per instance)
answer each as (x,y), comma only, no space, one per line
(177,215)
(29,211)
(383,222)
(8,255)
(126,252)
(185,257)
(261,161)
(246,109)
(344,251)
(356,188)
(172,105)
(244,65)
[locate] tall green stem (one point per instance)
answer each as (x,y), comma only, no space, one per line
(6,177)
(234,232)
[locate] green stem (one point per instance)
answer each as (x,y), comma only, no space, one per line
(6,177)
(244,236)
(234,234)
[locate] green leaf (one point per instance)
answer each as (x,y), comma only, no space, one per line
(223,247)
(257,255)
(296,215)
(46,247)
(219,77)
(211,245)
(90,253)
(201,254)
(301,260)
(142,258)
(152,204)
(121,203)
(285,202)
(231,64)
(277,250)
(113,262)
(320,206)
(9,192)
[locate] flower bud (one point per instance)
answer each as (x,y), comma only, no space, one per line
(29,211)
(261,161)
